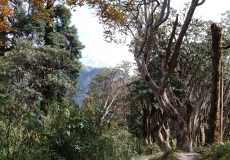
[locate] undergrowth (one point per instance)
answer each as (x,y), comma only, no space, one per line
(217,151)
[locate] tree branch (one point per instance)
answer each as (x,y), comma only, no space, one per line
(162,19)
(173,60)
(202,2)
(108,107)
(148,23)
(171,39)
(226,47)
(145,74)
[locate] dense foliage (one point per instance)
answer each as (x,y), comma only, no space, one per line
(67,134)
(123,115)
(40,118)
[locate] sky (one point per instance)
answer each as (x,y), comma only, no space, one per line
(90,32)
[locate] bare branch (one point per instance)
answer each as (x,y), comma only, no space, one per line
(173,60)
(108,107)
(147,28)
(145,12)
(171,39)
(162,19)
(202,2)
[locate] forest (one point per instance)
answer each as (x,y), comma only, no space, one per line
(174,98)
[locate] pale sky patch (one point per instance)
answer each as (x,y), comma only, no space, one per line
(91,34)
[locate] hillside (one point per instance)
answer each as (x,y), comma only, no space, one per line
(84,78)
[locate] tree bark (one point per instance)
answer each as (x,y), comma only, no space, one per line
(178,121)
(162,132)
(147,126)
(214,120)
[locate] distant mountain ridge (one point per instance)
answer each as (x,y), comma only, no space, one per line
(86,74)
(90,67)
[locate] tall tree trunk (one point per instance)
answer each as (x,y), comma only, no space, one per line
(176,115)
(147,125)
(214,120)
(162,131)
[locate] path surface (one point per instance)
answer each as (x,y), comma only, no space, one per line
(187,156)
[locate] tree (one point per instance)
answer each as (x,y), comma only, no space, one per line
(214,120)
(107,92)
(5,28)
(25,73)
(193,72)
(145,115)
(31,70)
(62,36)
(52,30)
(5,11)
(144,20)
(225,73)
(56,32)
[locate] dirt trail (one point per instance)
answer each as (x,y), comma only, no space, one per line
(187,156)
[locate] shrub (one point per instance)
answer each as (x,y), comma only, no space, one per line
(69,135)
(218,151)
